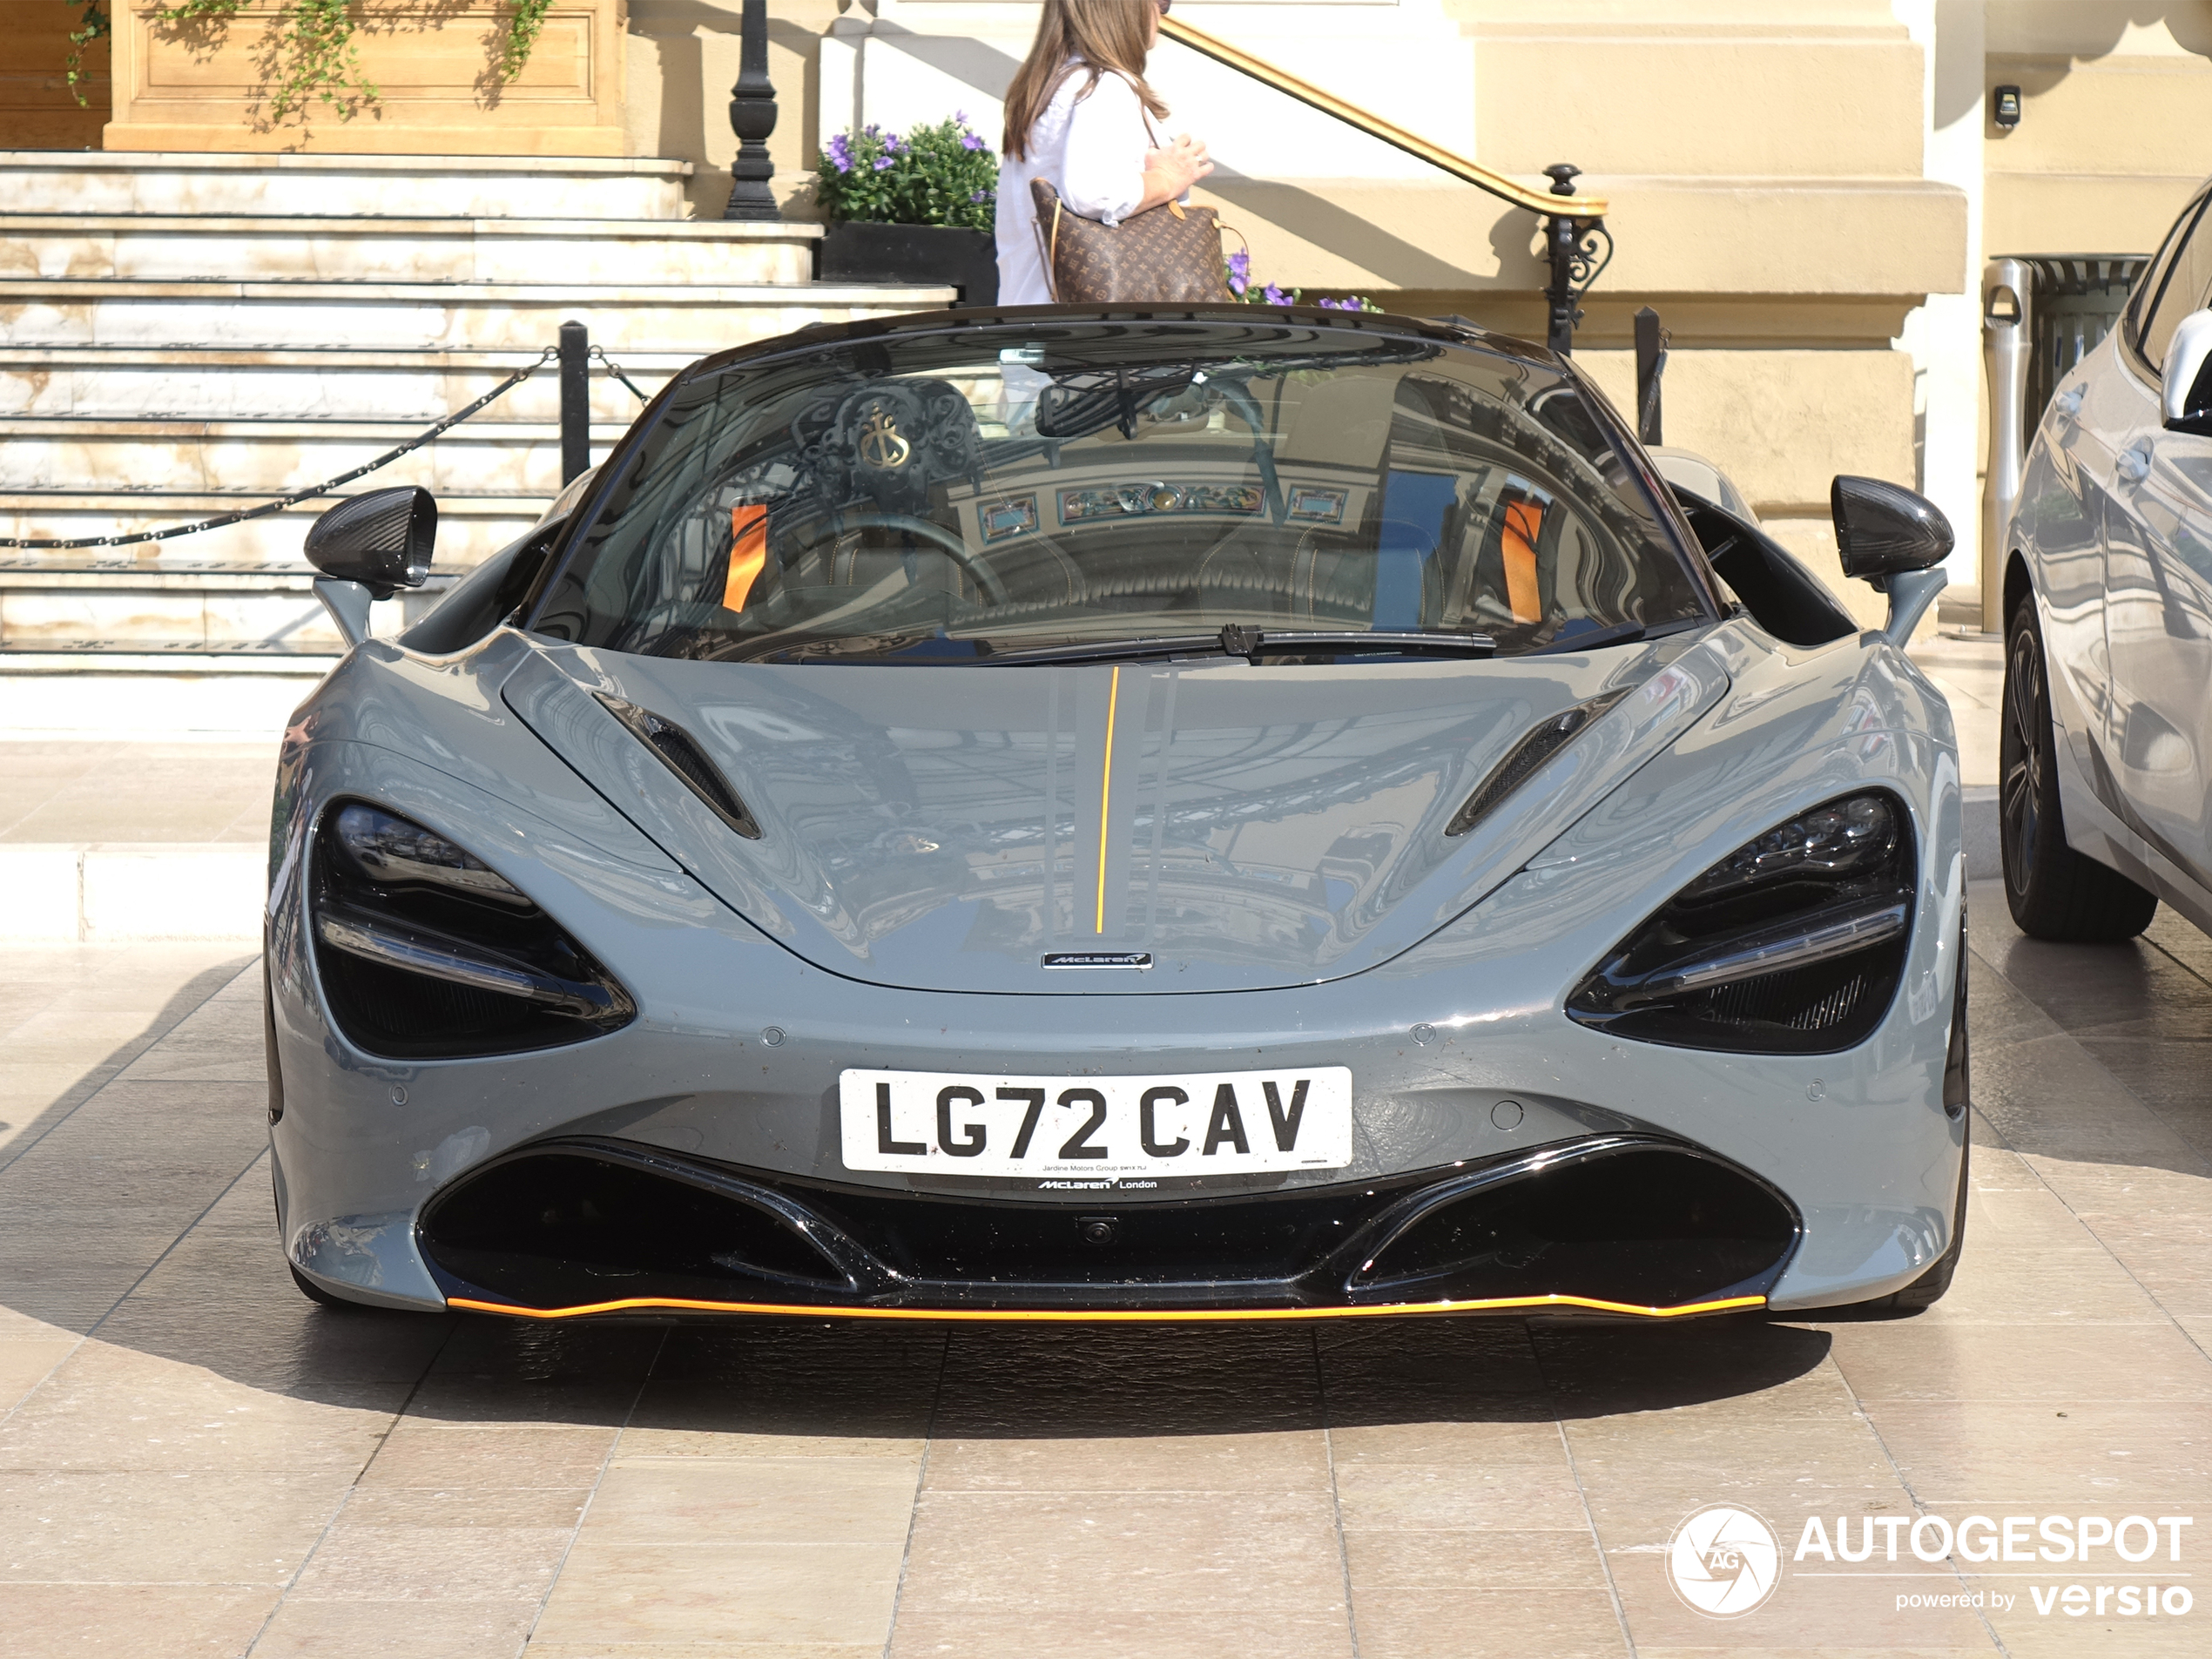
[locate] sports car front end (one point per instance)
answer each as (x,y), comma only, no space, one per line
(1088,819)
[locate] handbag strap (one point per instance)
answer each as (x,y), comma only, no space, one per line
(1049,252)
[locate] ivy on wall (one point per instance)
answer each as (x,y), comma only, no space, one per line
(91,26)
(312,55)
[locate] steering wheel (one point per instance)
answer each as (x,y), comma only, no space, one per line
(949,544)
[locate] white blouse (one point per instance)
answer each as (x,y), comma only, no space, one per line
(1091,151)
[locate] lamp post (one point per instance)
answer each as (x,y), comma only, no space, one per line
(752,117)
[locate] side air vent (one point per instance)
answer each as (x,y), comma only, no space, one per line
(680,753)
(1522,759)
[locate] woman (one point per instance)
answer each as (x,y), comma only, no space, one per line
(1079,116)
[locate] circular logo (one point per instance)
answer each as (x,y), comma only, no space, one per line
(1723,1562)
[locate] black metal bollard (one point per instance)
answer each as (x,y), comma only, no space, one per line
(1652,367)
(575,402)
(752,117)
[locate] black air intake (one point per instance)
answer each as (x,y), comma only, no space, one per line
(680,753)
(1537,746)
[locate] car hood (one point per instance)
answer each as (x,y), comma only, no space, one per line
(1234,827)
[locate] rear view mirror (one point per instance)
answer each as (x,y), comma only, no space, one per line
(2185,388)
(1884,530)
(381,540)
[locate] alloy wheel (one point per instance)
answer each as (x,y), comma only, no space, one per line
(2021,759)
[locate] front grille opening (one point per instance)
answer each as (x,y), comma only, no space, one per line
(1259,1240)
(664,1225)
(389,1011)
(561,1228)
(1646,1226)
(1811,999)
(575,1224)
(1818,1010)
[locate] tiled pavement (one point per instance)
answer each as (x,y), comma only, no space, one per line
(79,792)
(193,1461)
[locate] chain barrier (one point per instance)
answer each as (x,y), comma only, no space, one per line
(50,544)
(614,369)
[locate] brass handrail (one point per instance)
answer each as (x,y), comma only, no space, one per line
(1459,166)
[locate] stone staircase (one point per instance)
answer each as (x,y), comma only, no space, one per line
(182,335)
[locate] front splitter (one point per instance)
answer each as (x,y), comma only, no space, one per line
(1114,1315)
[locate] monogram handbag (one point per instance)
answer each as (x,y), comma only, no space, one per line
(1168,253)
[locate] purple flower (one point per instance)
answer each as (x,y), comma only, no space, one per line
(978,195)
(1338,304)
(973,141)
(1240,272)
(883,163)
(1276,296)
(840,154)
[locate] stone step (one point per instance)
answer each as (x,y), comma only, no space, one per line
(124,383)
(184,335)
(695,320)
(47,181)
(149,247)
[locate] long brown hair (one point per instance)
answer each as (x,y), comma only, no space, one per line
(1102,35)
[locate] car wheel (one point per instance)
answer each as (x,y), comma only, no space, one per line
(2054,893)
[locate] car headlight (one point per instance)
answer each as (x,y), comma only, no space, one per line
(1792,944)
(427,953)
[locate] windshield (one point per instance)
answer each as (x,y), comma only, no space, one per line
(1019,488)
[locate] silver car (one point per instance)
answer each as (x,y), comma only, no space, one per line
(2107,731)
(1238,814)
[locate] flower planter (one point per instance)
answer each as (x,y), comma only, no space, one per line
(934,255)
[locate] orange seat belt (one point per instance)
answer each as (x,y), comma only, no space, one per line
(1524,524)
(748,553)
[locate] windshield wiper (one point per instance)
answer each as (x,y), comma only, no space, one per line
(1252,644)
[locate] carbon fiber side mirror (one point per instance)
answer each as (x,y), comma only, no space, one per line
(1884,530)
(381,539)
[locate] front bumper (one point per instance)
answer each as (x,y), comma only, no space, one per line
(1459,1055)
(1618,1225)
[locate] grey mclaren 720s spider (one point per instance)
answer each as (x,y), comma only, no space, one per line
(1215,814)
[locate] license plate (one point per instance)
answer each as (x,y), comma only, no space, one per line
(1174,1123)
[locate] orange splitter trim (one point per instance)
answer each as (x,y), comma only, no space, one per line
(1078,1316)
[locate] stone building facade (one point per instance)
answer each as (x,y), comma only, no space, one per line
(1805,190)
